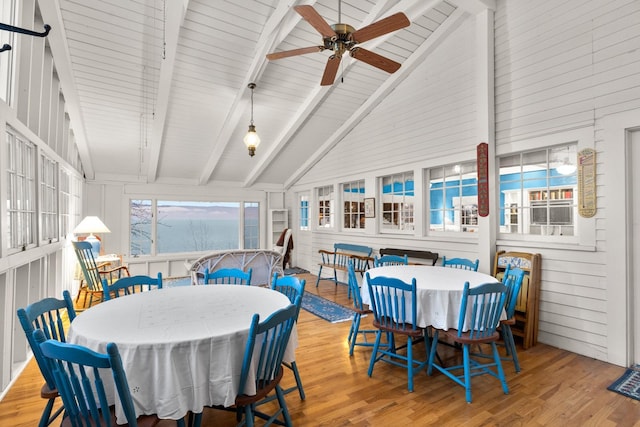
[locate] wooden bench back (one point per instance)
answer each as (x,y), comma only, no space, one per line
(352,249)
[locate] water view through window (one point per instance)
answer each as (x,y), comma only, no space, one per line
(183,226)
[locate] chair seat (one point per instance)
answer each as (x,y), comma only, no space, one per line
(465,338)
(244,400)
(405,329)
(143,420)
(47,392)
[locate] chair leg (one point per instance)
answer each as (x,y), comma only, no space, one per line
(410,363)
(296,374)
(496,358)
(319,276)
(48,418)
(374,354)
(353,332)
(510,344)
(283,406)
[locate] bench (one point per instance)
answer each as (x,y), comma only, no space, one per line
(338,260)
(427,255)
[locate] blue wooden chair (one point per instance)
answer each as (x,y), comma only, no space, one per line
(358,311)
(390,260)
(480,311)
(77,372)
(227,276)
(461,263)
(293,288)
(393,303)
(264,352)
(512,279)
(49,316)
(130,285)
(94,274)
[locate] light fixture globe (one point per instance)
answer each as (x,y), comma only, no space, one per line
(251,139)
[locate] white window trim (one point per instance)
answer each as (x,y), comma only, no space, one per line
(585,237)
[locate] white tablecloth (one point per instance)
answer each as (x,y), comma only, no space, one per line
(182,347)
(439,291)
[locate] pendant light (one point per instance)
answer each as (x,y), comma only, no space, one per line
(251,139)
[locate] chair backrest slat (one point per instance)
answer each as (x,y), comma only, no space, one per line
(461,263)
(512,279)
(130,285)
(393,302)
(291,286)
(47,315)
(77,372)
(88,265)
(481,308)
(266,346)
(354,289)
(390,260)
(228,276)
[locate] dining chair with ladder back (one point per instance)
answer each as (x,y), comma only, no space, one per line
(50,315)
(461,263)
(480,311)
(78,373)
(263,354)
(131,285)
(227,276)
(512,279)
(293,288)
(393,303)
(358,311)
(390,260)
(94,274)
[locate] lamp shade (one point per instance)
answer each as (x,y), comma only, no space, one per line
(90,225)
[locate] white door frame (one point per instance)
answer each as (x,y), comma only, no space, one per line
(616,177)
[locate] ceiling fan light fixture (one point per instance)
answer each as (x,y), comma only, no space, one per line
(251,139)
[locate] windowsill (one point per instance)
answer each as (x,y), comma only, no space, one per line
(524,242)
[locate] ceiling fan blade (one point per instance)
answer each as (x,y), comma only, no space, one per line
(294,52)
(312,17)
(378,61)
(381,27)
(330,71)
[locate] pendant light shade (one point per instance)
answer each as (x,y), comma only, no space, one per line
(251,139)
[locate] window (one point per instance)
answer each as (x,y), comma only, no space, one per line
(453,198)
(21,194)
(304,212)
(251,225)
(353,202)
(325,206)
(397,202)
(48,199)
(169,226)
(537,192)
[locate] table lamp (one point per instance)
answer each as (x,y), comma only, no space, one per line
(90,225)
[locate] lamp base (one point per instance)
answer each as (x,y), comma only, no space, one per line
(95,245)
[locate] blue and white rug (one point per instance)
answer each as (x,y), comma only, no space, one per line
(628,384)
(325,309)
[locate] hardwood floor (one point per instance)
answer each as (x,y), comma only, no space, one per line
(555,388)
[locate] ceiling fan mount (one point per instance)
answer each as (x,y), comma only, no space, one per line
(341,38)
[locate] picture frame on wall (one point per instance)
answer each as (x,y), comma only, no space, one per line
(370,207)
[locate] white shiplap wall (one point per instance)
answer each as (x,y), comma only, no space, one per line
(430,116)
(561,66)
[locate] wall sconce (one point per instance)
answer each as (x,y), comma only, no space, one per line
(90,225)
(251,139)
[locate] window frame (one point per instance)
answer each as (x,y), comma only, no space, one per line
(406,209)
(326,195)
(49,215)
(353,207)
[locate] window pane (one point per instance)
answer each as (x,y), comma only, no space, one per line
(537,192)
(304,213)
(140,216)
(325,206)
(397,201)
(197,226)
(251,225)
(453,198)
(21,203)
(353,202)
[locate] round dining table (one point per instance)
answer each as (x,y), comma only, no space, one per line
(181,348)
(438,291)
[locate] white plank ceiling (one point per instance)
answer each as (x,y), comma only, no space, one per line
(161,85)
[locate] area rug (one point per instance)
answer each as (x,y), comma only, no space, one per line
(294,270)
(325,309)
(628,384)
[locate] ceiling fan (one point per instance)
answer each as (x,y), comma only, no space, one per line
(341,38)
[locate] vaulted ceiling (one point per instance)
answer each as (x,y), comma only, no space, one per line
(157,89)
